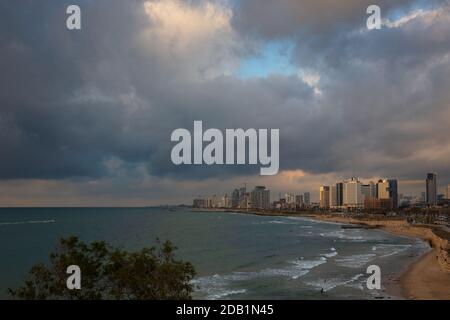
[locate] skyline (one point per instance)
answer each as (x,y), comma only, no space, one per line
(86,116)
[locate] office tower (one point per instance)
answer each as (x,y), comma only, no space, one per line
(243,201)
(307,198)
(393,192)
(226,201)
(333,197)
(299,200)
(339,194)
(369,190)
(373,189)
(353,197)
(324,197)
(235,198)
(260,198)
(366,190)
(431,189)
(383,189)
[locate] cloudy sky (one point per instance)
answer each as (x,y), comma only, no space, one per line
(86,115)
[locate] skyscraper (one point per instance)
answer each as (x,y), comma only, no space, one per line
(324,197)
(365,190)
(448,192)
(260,198)
(235,198)
(243,201)
(339,194)
(333,197)
(307,198)
(431,189)
(299,200)
(393,192)
(383,189)
(353,197)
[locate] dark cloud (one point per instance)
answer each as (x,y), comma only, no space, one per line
(73,103)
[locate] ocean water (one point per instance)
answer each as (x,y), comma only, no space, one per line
(236,256)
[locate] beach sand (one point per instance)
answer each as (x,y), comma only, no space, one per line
(425,280)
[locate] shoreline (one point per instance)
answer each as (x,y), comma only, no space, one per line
(428,277)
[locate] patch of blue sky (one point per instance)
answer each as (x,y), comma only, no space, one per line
(273,59)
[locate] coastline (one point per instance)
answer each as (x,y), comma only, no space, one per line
(426,278)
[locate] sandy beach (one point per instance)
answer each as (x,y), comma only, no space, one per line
(425,280)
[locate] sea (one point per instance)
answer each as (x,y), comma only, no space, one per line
(236,256)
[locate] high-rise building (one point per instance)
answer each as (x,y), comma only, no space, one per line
(324,197)
(393,192)
(333,197)
(431,189)
(260,198)
(383,189)
(373,189)
(243,198)
(235,198)
(299,200)
(366,190)
(353,198)
(307,198)
(339,194)
(448,192)
(387,189)
(226,201)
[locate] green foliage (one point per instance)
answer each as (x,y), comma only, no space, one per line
(109,273)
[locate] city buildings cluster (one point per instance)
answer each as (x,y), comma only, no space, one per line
(347,195)
(352,194)
(258,198)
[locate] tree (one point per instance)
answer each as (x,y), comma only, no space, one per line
(109,273)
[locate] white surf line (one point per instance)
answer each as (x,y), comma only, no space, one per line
(26,222)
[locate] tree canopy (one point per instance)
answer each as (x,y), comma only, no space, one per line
(109,273)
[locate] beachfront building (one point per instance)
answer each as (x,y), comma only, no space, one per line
(339,194)
(290,200)
(243,199)
(299,203)
(235,198)
(393,192)
(260,198)
(307,198)
(333,197)
(226,202)
(382,189)
(353,197)
(431,189)
(324,197)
